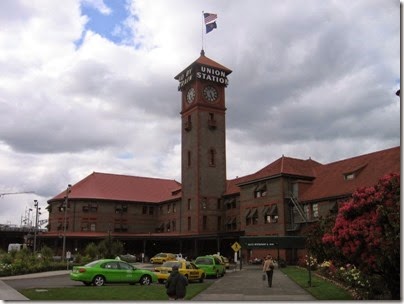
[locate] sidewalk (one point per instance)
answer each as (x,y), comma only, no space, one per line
(247,285)
(7,293)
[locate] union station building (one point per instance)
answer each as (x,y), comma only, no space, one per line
(266,211)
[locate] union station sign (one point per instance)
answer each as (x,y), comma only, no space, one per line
(204,73)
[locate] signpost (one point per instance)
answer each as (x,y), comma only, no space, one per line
(236,247)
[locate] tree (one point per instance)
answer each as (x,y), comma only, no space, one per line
(367,231)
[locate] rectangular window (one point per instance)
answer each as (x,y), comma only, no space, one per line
(151,210)
(84,226)
(173,225)
(174,208)
(219,204)
(212,160)
(93,207)
(271,214)
(144,210)
(260,190)
(121,208)
(315,210)
(92,227)
(189,158)
(306,209)
(168,208)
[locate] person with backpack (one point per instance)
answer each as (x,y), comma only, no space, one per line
(269,269)
(176,285)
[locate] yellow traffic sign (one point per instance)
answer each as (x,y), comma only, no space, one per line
(236,246)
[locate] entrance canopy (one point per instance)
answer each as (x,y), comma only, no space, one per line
(264,242)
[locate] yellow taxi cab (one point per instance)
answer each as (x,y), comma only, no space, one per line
(224,260)
(188,269)
(162,257)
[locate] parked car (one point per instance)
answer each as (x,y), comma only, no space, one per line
(255,261)
(130,258)
(188,269)
(224,260)
(162,257)
(211,265)
(104,271)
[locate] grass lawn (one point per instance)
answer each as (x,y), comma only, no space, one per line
(320,289)
(156,292)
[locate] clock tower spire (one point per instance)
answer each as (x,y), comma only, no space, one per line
(203,165)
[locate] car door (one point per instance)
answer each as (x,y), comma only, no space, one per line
(112,272)
(219,265)
(127,273)
(193,272)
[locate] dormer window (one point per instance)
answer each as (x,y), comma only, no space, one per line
(349,176)
(353,172)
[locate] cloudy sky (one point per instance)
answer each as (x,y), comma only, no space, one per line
(89,86)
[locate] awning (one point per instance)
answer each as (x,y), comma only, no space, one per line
(230,220)
(254,212)
(229,201)
(261,187)
(273,210)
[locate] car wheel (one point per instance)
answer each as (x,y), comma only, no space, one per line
(202,278)
(217,274)
(99,280)
(161,281)
(145,280)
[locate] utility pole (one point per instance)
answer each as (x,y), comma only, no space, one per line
(68,190)
(36,222)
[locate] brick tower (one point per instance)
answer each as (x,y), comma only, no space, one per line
(203,167)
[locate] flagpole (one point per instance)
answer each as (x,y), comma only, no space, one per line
(202,28)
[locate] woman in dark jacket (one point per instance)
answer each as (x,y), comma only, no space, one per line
(176,285)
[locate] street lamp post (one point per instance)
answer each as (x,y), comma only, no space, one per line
(65,220)
(36,222)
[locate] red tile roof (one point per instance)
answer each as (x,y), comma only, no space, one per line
(206,61)
(328,180)
(105,186)
(369,168)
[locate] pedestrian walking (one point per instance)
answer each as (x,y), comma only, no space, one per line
(269,269)
(176,285)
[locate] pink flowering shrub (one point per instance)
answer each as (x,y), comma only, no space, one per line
(367,231)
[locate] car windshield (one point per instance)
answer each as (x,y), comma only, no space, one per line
(170,264)
(204,261)
(160,255)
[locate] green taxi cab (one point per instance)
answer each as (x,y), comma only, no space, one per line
(211,265)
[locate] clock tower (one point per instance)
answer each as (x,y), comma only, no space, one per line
(203,165)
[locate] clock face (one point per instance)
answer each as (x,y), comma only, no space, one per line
(191,95)
(210,94)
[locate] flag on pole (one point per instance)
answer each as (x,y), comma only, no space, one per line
(210,21)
